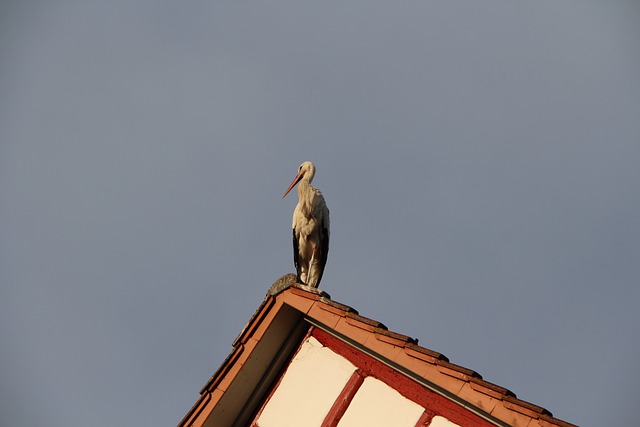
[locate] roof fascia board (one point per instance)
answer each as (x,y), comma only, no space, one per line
(251,379)
(272,373)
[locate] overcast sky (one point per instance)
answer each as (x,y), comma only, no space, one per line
(481,161)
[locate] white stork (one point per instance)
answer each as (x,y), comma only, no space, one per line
(310,228)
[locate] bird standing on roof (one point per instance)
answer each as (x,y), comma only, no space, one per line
(310,228)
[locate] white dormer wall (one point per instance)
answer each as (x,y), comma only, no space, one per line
(317,377)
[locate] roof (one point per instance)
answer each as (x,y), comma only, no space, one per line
(237,388)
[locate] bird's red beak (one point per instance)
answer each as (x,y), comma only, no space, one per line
(293,184)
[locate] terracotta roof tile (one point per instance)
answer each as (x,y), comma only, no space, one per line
(326,314)
(393,337)
(468,393)
(358,334)
(332,308)
(308,292)
(338,305)
(384,348)
(426,352)
(550,421)
(457,370)
(489,389)
(373,324)
(525,407)
(511,417)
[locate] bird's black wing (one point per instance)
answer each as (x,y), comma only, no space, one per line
(323,249)
(296,256)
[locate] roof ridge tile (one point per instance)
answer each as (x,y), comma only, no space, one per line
(461,369)
(315,293)
(404,339)
(518,404)
(428,352)
(340,306)
(480,384)
(367,321)
(551,420)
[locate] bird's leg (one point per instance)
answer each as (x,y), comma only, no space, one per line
(310,276)
(313,258)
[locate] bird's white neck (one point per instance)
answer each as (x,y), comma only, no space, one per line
(306,193)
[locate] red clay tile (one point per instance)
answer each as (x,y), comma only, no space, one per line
(309,292)
(447,382)
(419,352)
(331,308)
(513,418)
(394,338)
(548,421)
(524,407)
(387,350)
(481,400)
(489,389)
(415,365)
(324,314)
(338,305)
(456,371)
(418,356)
(297,301)
(356,333)
(374,324)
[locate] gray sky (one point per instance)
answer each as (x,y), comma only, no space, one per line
(480,161)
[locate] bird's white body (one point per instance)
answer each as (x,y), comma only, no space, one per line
(310,228)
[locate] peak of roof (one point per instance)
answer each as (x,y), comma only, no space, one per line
(284,317)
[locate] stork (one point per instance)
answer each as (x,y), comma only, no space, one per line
(310,228)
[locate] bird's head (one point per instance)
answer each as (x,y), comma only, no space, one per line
(306,171)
